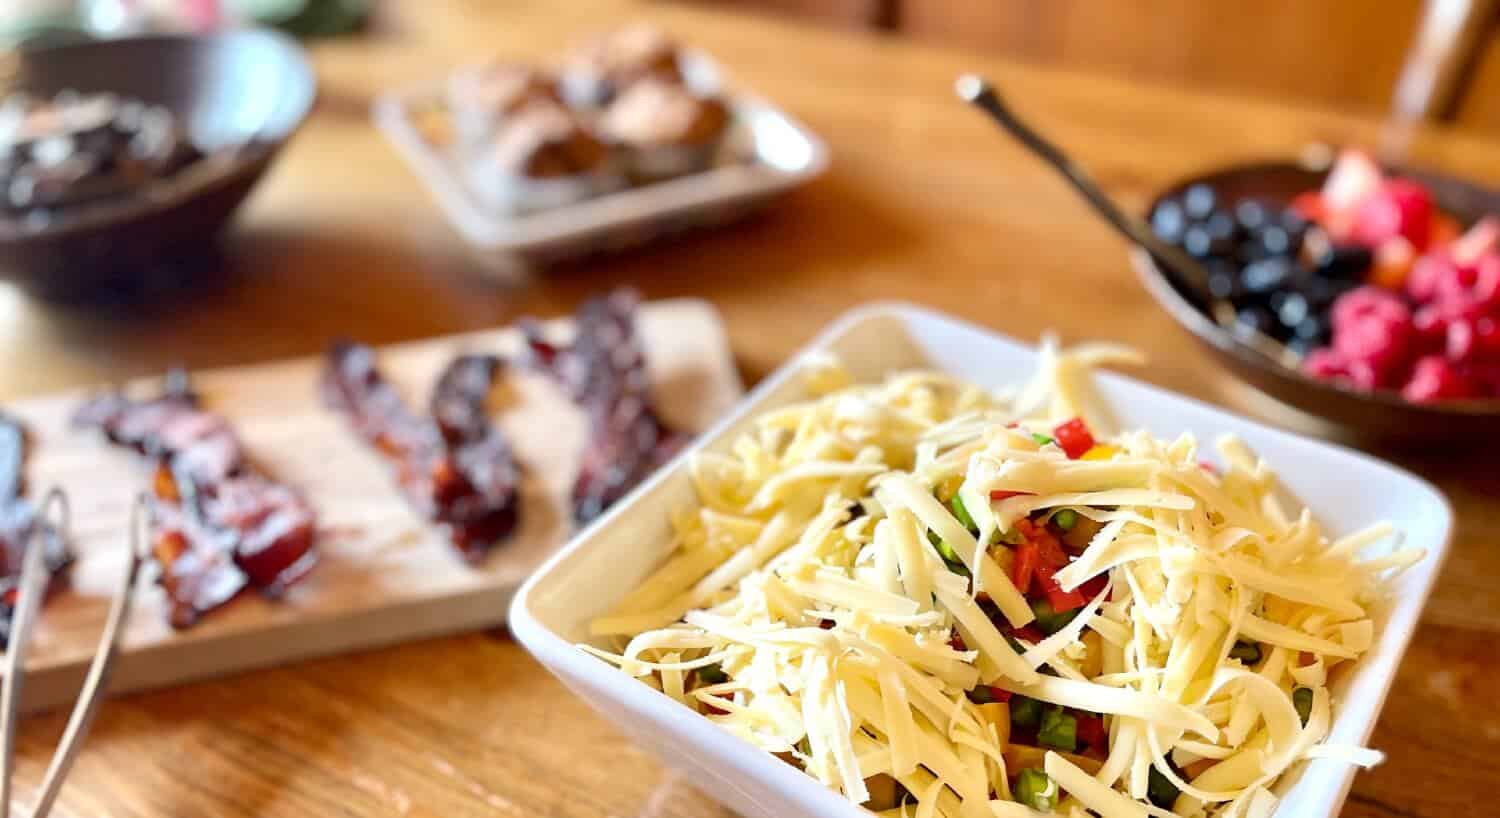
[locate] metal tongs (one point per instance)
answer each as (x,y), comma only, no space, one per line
(31,588)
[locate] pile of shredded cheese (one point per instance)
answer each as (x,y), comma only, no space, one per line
(807,576)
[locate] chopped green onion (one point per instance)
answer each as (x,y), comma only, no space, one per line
(1247,652)
(1058,731)
(1010,536)
(981,695)
(1037,790)
(957,504)
(1049,621)
(1160,790)
(1065,519)
(804,746)
(1042,440)
(712,675)
(1025,712)
(1302,700)
(950,557)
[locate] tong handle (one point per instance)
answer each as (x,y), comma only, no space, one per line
(32,589)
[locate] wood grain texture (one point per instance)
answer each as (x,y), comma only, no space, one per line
(1346,53)
(384,574)
(924,202)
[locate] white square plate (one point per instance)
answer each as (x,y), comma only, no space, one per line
(1346,491)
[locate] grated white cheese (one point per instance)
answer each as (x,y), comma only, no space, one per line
(829,576)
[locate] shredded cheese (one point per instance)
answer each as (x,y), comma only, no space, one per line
(851,592)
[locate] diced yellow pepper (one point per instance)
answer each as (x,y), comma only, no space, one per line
(998,714)
(1100,451)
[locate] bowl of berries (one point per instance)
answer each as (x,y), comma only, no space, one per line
(1382,284)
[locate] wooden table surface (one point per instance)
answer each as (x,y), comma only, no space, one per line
(924,202)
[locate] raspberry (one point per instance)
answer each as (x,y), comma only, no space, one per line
(1325,363)
(1430,329)
(1436,378)
(1422,282)
(1328,364)
(1359,304)
(1400,207)
(1475,340)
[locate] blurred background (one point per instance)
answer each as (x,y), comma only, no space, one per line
(1433,58)
(1348,54)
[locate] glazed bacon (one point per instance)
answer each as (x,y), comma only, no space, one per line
(604,371)
(219,525)
(18,520)
(453,465)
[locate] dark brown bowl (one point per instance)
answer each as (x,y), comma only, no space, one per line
(247,88)
(1381,418)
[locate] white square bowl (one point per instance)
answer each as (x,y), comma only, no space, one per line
(1345,489)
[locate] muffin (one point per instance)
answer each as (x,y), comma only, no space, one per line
(664,130)
(482,96)
(602,69)
(541,157)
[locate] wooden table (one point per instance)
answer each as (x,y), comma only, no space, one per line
(924,202)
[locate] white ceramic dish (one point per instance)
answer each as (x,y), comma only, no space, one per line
(766,154)
(551,611)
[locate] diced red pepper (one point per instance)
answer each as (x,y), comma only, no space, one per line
(1074,437)
(1091,733)
(1001,494)
(1093,587)
(1029,633)
(1024,565)
(1061,601)
(1049,548)
(999,694)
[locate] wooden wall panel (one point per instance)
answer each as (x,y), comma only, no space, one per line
(1346,53)
(849,13)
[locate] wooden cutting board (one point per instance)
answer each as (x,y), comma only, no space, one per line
(384,575)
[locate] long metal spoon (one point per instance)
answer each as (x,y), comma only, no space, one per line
(978,92)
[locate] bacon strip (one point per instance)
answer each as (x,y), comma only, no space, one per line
(604,371)
(454,466)
(17,521)
(219,525)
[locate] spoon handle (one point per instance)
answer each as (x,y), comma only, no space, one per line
(1174,262)
(977,91)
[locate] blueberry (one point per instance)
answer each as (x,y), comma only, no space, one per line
(1293,222)
(1257,318)
(1221,225)
(1168,221)
(1321,292)
(1313,329)
(1224,284)
(1301,346)
(1249,251)
(1276,241)
(1199,201)
(1347,262)
(1251,214)
(1197,241)
(1291,307)
(1266,275)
